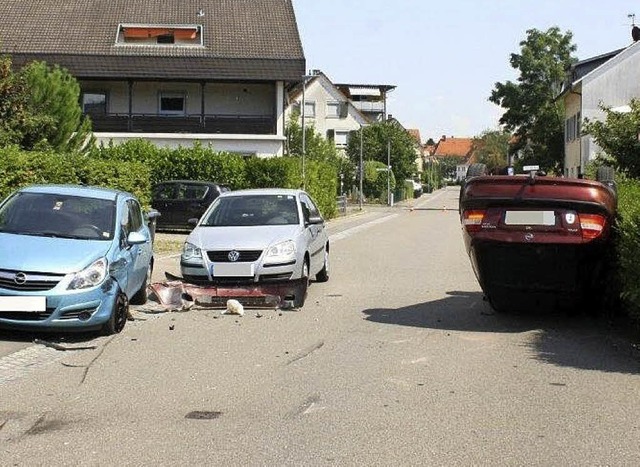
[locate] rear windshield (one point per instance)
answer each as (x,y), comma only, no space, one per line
(253,210)
(51,215)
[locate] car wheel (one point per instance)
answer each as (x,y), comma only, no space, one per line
(606,176)
(298,302)
(118,317)
(140,297)
(323,275)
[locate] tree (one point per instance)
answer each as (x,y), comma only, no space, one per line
(492,148)
(617,135)
(54,102)
(532,113)
(13,113)
(376,140)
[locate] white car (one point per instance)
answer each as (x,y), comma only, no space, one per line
(258,236)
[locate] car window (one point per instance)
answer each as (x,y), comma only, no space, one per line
(192,191)
(309,209)
(55,215)
(164,191)
(134,220)
(253,210)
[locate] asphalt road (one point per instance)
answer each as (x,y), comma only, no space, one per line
(395,361)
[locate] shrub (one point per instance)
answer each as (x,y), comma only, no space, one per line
(628,246)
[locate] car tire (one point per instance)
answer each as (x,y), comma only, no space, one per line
(476,170)
(140,297)
(298,301)
(606,175)
(119,316)
(323,275)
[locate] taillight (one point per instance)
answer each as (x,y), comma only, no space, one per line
(592,225)
(472,220)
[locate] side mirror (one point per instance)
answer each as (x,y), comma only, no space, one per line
(315,220)
(193,221)
(153,214)
(136,238)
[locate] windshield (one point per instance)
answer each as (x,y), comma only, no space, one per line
(253,210)
(54,215)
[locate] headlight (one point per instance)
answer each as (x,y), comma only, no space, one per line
(281,253)
(191,254)
(89,277)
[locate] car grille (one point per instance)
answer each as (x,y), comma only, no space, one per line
(246,256)
(33,281)
(26,316)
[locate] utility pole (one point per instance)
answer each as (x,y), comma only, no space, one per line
(361,167)
(389,172)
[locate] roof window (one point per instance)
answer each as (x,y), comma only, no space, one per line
(159,34)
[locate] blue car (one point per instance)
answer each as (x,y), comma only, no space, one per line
(72,258)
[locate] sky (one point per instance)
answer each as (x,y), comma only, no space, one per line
(446,56)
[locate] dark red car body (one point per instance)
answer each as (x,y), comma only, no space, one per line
(538,241)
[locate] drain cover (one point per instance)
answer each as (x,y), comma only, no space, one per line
(202,415)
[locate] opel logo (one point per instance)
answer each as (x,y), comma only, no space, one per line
(529,237)
(20,278)
(233,256)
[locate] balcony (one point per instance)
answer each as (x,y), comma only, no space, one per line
(368,106)
(209,124)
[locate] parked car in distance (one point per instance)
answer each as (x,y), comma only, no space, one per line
(417,188)
(258,236)
(536,241)
(181,200)
(72,258)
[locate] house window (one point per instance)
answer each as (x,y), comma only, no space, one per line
(310,109)
(333,109)
(94,103)
(341,138)
(172,103)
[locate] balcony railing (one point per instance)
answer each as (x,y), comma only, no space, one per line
(153,123)
(366,106)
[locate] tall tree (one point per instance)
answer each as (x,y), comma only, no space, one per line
(492,149)
(54,101)
(531,109)
(378,138)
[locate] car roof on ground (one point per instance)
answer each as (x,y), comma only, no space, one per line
(76,190)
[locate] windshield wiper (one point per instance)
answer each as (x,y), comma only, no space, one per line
(48,234)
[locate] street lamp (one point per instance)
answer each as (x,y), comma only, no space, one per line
(389,172)
(361,166)
(305,78)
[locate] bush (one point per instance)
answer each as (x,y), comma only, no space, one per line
(628,246)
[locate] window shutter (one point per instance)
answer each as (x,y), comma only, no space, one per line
(331,135)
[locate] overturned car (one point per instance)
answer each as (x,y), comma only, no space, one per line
(539,242)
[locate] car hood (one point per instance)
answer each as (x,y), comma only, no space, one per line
(51,255)
(242,238)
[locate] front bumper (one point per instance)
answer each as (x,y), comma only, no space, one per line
(83,310)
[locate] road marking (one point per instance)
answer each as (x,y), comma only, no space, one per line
(354,230)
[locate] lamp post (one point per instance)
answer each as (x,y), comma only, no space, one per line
(304,132)
(389,172)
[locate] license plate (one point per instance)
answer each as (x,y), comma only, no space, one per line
(32,304)
(232,270)
(530,218)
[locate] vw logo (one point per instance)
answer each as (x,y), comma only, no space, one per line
(20,278)
(233,256)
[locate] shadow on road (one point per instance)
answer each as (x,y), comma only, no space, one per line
(570,341)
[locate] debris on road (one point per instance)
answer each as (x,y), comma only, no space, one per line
(234,307)
(62,348)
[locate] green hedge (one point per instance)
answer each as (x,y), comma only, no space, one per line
(628,246)
(137,165)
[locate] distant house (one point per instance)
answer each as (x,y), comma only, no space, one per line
(370,99)
(460,148)
(610,79)
(171,73)
(331,114)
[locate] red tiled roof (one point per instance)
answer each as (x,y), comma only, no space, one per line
(454,147)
